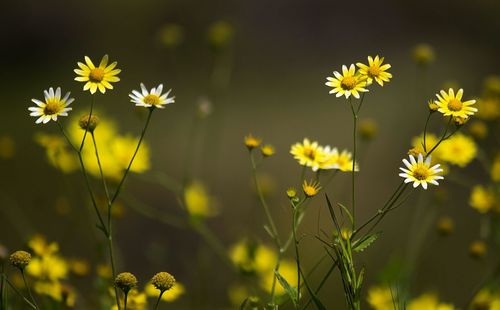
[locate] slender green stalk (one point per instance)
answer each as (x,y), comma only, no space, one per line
(125,301)
(29,289)
(12,286)
(101,173)
(158,300)
(425,130)
(354,134)
(297,252)
(3,302)
(87,127)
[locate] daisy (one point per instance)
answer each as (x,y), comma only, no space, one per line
(52,107)
(99,77)
(335,160)
(451,104)
(309,154)
(311,189)
(420,172)
(348,83)
(153,98)
(375,70)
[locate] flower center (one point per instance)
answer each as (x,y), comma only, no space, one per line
(348,82)
(421,173)
(310,153)
(455,105)
(51,108)
(151,99)
(374,71)
(96,75)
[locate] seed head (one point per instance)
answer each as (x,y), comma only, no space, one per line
(163,281)
(125,281)
(20,259)
(88,122)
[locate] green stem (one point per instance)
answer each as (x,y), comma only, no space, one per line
(125,301)
(29,290)
(3,305)
(87,127)
(425,130)
(19,293)
(104,185)
(158,300)
(354,133)
(297,252)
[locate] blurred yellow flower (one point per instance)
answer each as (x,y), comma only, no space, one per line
(423,54)
(78,266)
(478,129)
(237,293)
(428,301)
(104,271)
(348,83)
(136,300)
(368,129)
(430,141)
(375,70)
(451,104)
(252,142)
(482,199)
(57,291)
(267,150)
(491,85)
(171,35)
(99,77)
(381,298)
(486,299)
(495,169)
(41,247)
(459,150)
(288,270)
(478,249)
(7,147)
(198,200)
(220,34)
(50,267)
(252,257)
(169,296)
(58,152)
(489,108)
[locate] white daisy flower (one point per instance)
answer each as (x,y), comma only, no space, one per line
(52,107)
(420,172)
(153,98)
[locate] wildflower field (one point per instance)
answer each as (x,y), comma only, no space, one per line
(250,155)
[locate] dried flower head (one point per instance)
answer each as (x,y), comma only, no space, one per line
(163,281)
(20,259)
(88,122)
(125,281)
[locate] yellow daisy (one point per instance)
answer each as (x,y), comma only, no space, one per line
(375,70)
(309,154)
(153,98)
(420,172)
(348,83)
(335,160)
(459,150)
(311,189)
(482,198)
(99,77)
(451,104)
(53,106)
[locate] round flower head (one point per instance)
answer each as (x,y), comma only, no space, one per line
(125,281)
(420,172)
(99,77)
(451,104)
(52,107)
(153,98)
(20,259)
(309,154)
(88,122)
(267,150)
(163,281)
(348,83)
(251,142)
(375,70)
(311,189)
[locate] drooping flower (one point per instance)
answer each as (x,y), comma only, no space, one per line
(375,70)
(348,83)
(99,77)
(52,107)
(153,98)
(420,172)
(451,104)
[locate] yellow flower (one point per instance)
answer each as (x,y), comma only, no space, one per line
(50,267)
(99,77)
(375,70)
(423,54)
(169,296)
(135,301)
(104,271)
(252,257)
(458,150)
(171,35)
(451,104)
(123,148)
(478,249)
(492,85)
(486,299)
(368,129)
(381,298)
(7,147)
(348,83)
(335,160)
(267,150)
(79,267)
(482,199)
(445,225)
(478,129)
(252,142)
(198,200)
(52,107)
(41,247)
(58,152)
(57,291)
(291,192)
(495,169)
(428,301)
(430,141)
(311,189)
(153,98)
(309,154)
(237,293)
(288,270)
(220,34)
(489,108)
(420,172)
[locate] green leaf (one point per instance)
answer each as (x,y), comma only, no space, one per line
(291,291)
(361,244)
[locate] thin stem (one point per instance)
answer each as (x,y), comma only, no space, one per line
(29,289)
(117,192)
(158,300)
(87,127)
(18,293)
(425,130)
(297,254)
(104,185)
(3,305)
(125,301)
(354,134)
(443,137)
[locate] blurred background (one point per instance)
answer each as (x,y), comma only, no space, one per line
(258,67)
